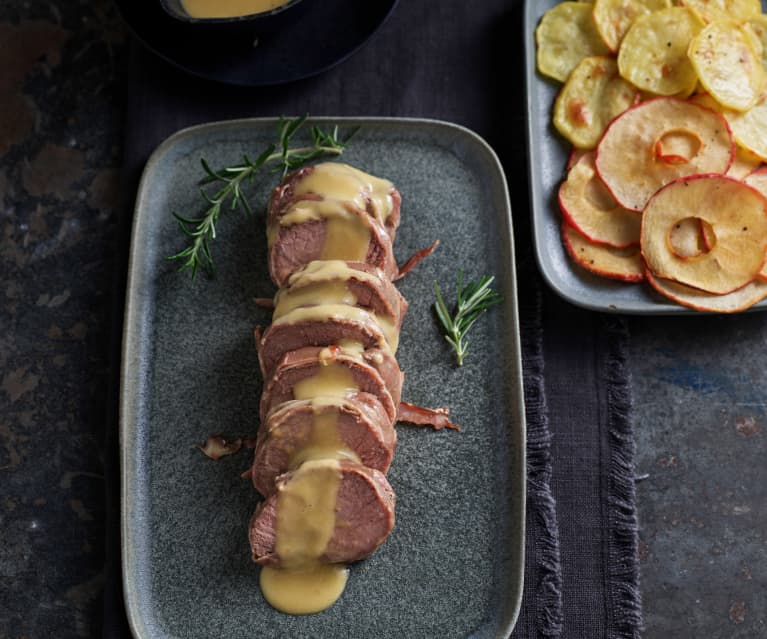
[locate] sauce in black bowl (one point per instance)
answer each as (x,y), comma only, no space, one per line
(222,17)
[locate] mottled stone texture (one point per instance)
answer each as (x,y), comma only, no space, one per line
(61,80)
(701,427)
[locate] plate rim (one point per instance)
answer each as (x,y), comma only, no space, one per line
(540,208)
(133,329)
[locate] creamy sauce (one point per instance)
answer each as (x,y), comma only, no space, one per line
(331,380)
(228,8)
(347,347)
(323,270)
(342,183)
(305,523)
(306,510)
(324,282)
(329,292)
(303,591)
(271,234)
(319,270)
(347,234)
(350,347)
(325,442)
(346,239)
(346,192)
(306,506)
(386,324)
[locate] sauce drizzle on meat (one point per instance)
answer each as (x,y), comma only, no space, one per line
(332,385)
(305,523)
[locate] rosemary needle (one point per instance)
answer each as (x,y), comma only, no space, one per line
(472,300)
(230,180)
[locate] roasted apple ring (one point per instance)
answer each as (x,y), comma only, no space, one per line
(737,214)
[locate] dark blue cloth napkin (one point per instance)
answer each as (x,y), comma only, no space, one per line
(463,62)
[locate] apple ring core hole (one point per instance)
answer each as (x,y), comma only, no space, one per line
(691,237)
(678,146)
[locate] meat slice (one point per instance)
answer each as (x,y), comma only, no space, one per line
(364,516)
(357,283)
(303,204)
(295,245)
(372,371)
(357,425)
(322,325)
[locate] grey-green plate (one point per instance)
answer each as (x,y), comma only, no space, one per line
(547,158)
(453,565)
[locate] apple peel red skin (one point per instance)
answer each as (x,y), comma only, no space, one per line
(574,224)
(631,278)
(616,227)
(668,293)
(687,179)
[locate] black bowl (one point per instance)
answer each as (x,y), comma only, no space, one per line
(252,25)
(329,31)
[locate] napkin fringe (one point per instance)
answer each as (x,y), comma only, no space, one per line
(623,568)
(541,502)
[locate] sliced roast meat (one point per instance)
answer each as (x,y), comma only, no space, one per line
(369,192)
(388,368)
(284,195)
(302,429)
(291,246)
(350,282)
(365,211)
(364,516)
(372,371)
(322,325)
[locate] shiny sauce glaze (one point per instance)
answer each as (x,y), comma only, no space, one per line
(228,8)
(331,291)
(331,380)
(325,442)
(344,185)
(319,271)
(350,201)
(306,508)
(304,584)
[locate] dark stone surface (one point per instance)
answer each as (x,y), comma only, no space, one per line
(60,121)
(698,382)
(701,426)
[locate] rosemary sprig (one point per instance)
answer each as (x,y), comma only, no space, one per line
(230,180)
(472,300)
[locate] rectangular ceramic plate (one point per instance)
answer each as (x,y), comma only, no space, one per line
(548,154)
(453,565)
